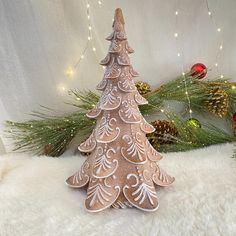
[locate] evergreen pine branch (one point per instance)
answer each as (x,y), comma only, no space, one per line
(198,91)
(84,100)
(48,133)
(190,137)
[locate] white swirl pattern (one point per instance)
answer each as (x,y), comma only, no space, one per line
(111,98)
(134,150)
(104,165)
(129,112)
(88,145)
(107,130)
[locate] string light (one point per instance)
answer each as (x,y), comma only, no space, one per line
(183,73)
(70,72)
(218,29)
(187,96)
(89,38)
(61,88)
(221,76)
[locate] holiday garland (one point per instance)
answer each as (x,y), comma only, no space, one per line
(191,137)
(50,134)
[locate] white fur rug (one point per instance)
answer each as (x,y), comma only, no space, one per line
(34,200)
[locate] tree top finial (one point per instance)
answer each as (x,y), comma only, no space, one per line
(118,18)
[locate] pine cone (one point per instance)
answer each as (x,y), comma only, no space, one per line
(143,87)
(162,135)
(47,149)
(218,102)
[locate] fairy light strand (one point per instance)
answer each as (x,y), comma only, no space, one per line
(181,54)
(70,71)
(89,35)
(187,95)
(221,44)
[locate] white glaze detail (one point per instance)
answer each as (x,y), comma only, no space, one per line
(113,71)
(115,47)
(94,113)
(107,130)
(101,194)
(152,154)
(102,85)
(140,99)
(123,60)
(161,178)
(120,35)
(129,112)
(111,36)
(110,99)
(104,165)
(106,60)
(117,35)
(128,48)
(134,151)
(144,191)
(140,194)
(88,145)
(126,85)
(98,193)
(80,178)
(146,127)
(133,72)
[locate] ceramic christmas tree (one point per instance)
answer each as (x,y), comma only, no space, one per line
(122,167)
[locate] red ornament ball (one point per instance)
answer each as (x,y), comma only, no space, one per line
(234,117)
(200,69)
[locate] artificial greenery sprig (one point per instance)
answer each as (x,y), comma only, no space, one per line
(51,134)
(48,135)
(192,137)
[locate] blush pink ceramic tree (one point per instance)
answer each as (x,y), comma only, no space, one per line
(123,167)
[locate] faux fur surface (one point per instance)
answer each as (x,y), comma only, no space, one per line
(34,200)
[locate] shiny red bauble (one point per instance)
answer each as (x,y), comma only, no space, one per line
(199,69)
(234,117)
